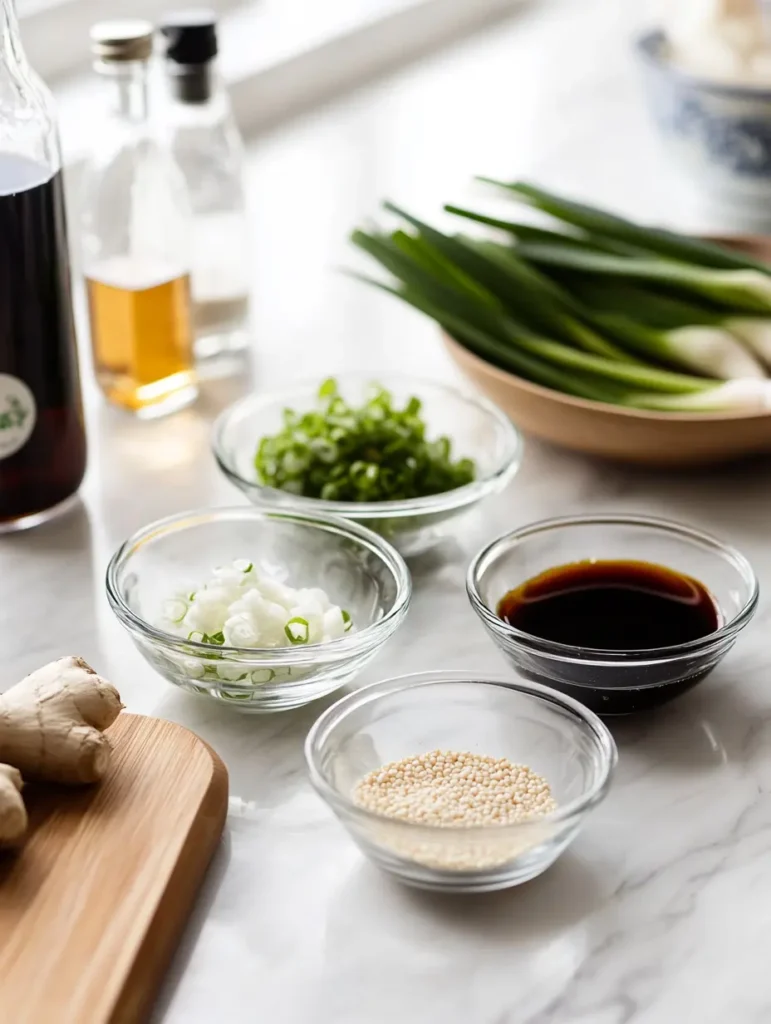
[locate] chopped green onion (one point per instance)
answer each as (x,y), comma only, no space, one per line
(373,452)
(175,609)
(347,620)
(297,630)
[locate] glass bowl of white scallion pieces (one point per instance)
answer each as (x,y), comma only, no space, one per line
(399,455)
(260,610)
(459,782)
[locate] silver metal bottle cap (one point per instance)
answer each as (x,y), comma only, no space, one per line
(122,40)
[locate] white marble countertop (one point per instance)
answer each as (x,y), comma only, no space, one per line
(659,913)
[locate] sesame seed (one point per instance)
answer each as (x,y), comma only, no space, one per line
(451,788)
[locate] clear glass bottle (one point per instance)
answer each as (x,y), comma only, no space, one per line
(208,148)
(42,437)
(135,224)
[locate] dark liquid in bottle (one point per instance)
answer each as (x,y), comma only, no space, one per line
(612,606)
(37,346)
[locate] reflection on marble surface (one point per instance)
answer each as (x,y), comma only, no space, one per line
(659,913)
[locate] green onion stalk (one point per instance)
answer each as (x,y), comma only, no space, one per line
(599,318)
(602,232)
(601,224)
(666,329)
(482,325)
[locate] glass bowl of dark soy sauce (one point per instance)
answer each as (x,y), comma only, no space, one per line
(621,612)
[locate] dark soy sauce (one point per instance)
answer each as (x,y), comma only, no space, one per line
(612,606)
(39,382)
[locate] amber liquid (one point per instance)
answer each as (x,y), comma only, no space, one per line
(612,606)
(142,338)
(37,341)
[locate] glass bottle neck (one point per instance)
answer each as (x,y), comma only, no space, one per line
(129,90)
(192,84)
(11,52)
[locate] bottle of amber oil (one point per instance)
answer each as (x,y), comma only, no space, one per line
(135,226)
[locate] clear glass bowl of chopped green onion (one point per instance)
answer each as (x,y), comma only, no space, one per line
(256,609)
(399,455)
(458,782)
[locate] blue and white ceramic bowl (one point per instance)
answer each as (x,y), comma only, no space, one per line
(721,133)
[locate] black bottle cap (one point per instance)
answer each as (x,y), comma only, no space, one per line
(191,36)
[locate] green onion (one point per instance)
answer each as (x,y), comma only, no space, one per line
(561,313)
(532,233)
(657,240)
(373,452)
(754,333)
(666,329)
(297,630)
(464,311)
(733,396)
(700,348)
(635,301)
(591,314)
(747,290)
(527,294)
(347,620)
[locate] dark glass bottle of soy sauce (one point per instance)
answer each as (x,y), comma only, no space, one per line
(42,436)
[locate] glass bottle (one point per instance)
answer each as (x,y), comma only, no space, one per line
(208,148)
(135,236)
(42,436)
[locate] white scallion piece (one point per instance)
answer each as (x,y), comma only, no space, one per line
(242,607)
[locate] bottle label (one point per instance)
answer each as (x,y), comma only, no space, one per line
(18,414)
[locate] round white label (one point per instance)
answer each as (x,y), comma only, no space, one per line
(18,414)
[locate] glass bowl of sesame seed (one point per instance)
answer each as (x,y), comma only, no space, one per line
(460,783)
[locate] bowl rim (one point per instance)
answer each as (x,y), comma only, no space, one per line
(605,409)
(603,739)
(649,49)
(279,656)
(445,501)
(487,554)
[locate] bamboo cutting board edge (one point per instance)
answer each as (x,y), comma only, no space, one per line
(75,949)
(154,956)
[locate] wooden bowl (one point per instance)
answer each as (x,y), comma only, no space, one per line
(613,432)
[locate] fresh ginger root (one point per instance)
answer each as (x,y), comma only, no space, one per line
(13,814)
(51,723)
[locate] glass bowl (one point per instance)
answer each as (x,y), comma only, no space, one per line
(357,569)
(527,723)
(477,429)
(613,682)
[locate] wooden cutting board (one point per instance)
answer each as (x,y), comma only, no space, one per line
(92,907)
